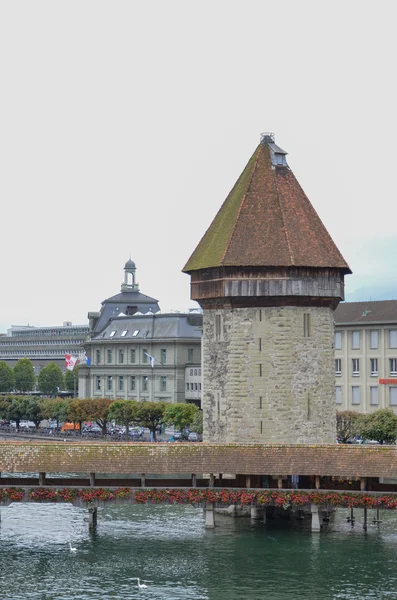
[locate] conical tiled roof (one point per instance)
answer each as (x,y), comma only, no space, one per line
(266,220)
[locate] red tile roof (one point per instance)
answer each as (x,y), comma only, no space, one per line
(266,220)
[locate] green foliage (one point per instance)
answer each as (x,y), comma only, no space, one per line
(151,415)
(346,424)
(24,375)
(72,380)
(76,412)
(55,408)
(96,409)
(50,379)
(380,426)
(124,413)
(180,415)
(17,409)
(197,423)
(6,377)
(33,411)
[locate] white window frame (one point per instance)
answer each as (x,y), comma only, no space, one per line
(121,383)
(393,366)
(338,366)
(355,367)
(374,367)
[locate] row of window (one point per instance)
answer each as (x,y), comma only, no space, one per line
(121,381)
(42,332)
(134,356)
(373,395)
(42,343)
(373,339)
(193,387)
(373,366)
(195,372)
(17,354)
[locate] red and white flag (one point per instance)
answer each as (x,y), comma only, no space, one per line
(70,361)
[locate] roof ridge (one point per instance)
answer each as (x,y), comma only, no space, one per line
(239,210)
(283,220)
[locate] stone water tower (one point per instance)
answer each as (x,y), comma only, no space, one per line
(268,277)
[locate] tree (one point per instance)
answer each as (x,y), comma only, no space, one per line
(17,409)
(97,409)
(55,408)
(76,413)
(180,415)
(72,380)
(151,415)
(124,413)
(33,411)
(24,375)
(50,379)
(346,425)
(197,423)
(6,377)
(380,425)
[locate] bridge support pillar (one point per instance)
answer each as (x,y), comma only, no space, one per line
(194,483)
(41,478)
(143,480)
(92,517)
(256,513)
(209,516)
(315,519)
(92,479)
(365,524)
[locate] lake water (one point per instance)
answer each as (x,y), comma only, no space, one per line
(169,548)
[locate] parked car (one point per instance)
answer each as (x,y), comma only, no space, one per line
(193,437)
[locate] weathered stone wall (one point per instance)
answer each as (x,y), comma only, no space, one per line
(264,380)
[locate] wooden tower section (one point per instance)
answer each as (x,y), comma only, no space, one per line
(268,277)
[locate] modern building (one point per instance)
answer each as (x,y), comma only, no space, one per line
(268,277)
(366,355)
(42,345)
(136,352)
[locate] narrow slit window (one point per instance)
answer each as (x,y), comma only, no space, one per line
(306,325)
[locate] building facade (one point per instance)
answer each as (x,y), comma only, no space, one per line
(366,356)
(42,345)
(136,352)
(268,277)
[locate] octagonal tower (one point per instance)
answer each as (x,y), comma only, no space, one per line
(268,277)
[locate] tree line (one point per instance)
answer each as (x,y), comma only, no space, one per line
(379,426)
(21,378)
(102,411)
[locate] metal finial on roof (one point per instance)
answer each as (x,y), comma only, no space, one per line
(267,138)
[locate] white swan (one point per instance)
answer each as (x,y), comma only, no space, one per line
(71,548)
(141,586)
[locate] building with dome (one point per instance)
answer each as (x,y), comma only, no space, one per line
(137,352)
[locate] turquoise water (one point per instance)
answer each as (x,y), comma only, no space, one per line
(169,548)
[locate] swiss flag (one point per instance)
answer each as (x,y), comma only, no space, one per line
(70,361)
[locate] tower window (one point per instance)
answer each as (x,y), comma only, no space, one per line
(306,325)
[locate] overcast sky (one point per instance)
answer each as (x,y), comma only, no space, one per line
(124,125)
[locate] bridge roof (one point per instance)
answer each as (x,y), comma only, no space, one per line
(187,458)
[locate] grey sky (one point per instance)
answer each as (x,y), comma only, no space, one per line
(125,124)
